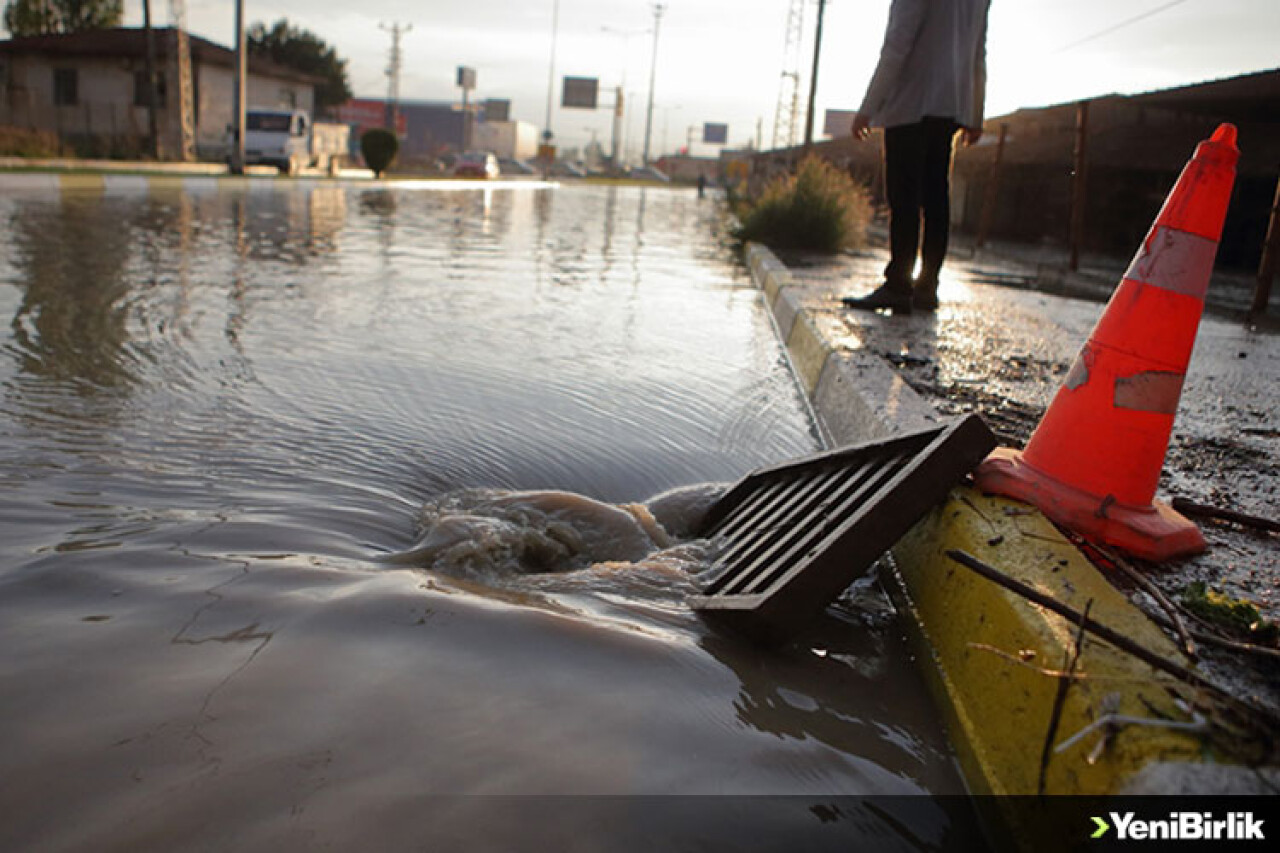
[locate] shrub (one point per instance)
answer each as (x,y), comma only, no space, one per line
(20,142)
(379,147)
(819,208)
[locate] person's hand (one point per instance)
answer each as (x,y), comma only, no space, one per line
(971,135)
(861,127)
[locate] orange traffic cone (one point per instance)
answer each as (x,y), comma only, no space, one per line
(1094,460)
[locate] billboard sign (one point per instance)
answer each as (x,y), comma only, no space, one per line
(466,77)
(497,110)
(838,122)
(580,93)
(366,113)
(715,134)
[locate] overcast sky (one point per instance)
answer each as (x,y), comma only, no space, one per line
(722,60)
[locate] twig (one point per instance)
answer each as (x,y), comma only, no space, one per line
(1155,592)
(1120,641)
(1053,673)
(1197,723)
(1187,507)
(1060,699)
(1223,642)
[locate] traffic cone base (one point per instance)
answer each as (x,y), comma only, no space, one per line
(1153,532)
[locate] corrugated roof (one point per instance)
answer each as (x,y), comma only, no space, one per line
(1248,97)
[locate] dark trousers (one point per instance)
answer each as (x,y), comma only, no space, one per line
(917,160)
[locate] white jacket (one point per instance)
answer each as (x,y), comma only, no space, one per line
(933,63)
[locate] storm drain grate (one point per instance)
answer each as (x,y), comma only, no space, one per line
(790,538)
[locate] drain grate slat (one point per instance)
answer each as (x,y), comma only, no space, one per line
(790,538)
(745,570)
(757,509)
(811,535)
(750,544)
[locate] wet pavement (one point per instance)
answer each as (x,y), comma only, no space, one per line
(1000,345)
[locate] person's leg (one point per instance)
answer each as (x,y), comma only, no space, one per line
(904,163)
(935,202)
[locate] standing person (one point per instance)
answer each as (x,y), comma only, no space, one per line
(930,83)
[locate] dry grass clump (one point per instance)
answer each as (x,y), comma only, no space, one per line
(21,142)
(818,208)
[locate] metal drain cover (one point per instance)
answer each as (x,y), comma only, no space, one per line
(792,537)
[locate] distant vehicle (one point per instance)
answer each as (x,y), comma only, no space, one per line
(511,166)
(649,173)
(567,170)
(291,141)
(476,164)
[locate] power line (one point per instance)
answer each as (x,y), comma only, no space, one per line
(1122,24)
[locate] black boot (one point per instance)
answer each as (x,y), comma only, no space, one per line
(896,299)
(925,297)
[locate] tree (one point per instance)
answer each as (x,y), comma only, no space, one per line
(51,17)
(304,51)
(379,147)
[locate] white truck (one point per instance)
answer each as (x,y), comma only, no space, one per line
(291,141)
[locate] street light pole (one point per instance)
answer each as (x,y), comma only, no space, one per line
(551,73)
(237,153)
(813,80)
(658,9)
(619,99)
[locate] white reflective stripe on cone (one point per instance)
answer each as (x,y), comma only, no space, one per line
(1175,260)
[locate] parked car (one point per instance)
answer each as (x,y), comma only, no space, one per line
(476,164)
(649,173)
(567,170)
(511,166)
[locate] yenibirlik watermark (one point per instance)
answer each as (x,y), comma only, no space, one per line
(1181,826)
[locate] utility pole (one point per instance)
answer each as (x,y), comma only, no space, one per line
(813,81)
(658,9)
(238,92)
(393,74)
(152,122)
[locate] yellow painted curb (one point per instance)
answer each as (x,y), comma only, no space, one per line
(809,350)
(991,649)
(166,184)
(82,183)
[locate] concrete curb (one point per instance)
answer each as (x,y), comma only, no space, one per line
(121,183)
(988,654)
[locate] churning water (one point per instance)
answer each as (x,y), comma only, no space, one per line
(283,471)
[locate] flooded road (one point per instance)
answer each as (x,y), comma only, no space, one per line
(230,421)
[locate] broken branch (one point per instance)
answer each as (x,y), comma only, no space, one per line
(1187,507)
(1120,641)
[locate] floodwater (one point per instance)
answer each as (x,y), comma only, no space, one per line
(325,522)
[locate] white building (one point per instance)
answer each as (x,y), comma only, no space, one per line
(92,86)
